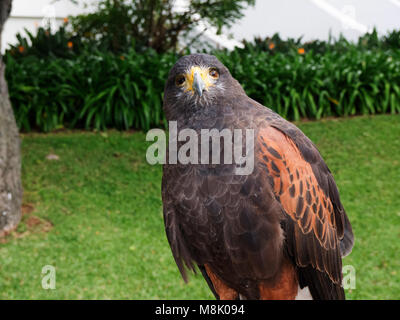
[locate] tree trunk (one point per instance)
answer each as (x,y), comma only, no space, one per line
(10,158)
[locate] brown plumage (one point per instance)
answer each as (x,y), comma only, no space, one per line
(256,236)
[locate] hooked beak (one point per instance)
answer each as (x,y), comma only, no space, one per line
(198,83)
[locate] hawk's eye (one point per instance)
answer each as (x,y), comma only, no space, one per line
(180,80)
(214,73)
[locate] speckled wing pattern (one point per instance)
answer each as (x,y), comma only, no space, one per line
(317,230)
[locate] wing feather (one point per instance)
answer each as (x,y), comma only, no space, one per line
(316,220)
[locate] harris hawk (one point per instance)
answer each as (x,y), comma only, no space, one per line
(275,233)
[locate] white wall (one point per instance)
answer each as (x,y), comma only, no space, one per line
(314,19)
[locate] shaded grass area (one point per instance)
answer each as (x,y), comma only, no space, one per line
(96,214)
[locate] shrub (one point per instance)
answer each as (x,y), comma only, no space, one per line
(115,25)
(91,88)
(369,41)
(98,90)
(313,85)
(45,44)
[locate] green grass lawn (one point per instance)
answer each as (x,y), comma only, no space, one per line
(96,214)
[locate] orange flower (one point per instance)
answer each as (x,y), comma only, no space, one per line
(271,46)
(65,20)
(122,57)
(301,51)
(21,49)
(70,44)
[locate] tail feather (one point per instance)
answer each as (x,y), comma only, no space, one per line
(320,285)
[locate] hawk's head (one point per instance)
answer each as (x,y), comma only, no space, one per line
(196,81)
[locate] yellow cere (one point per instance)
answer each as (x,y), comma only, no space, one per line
(204,74)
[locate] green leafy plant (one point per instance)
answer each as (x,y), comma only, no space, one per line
(99,89)
(45,43)
(307,85)
(93,90)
